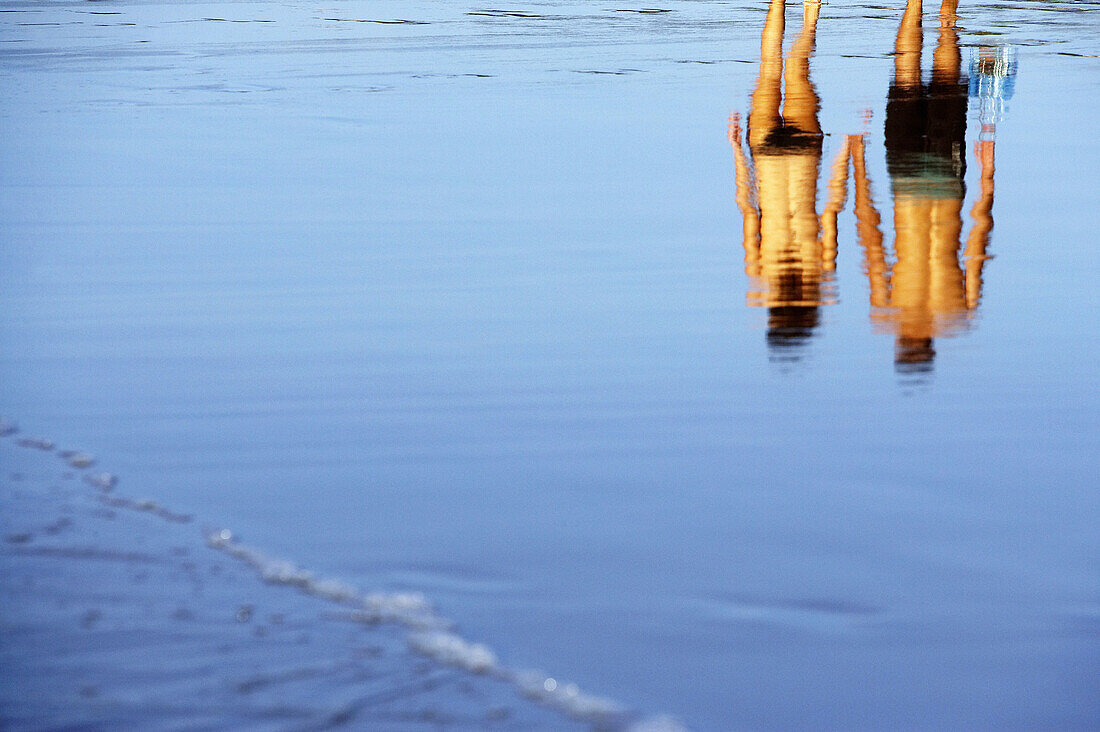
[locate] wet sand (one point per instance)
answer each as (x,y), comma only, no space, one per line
(116,614)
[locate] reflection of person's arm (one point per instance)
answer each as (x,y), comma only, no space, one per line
(746,199)
(974,255)
(867,224)
(838,192)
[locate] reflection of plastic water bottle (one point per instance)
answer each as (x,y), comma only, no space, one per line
(992,81)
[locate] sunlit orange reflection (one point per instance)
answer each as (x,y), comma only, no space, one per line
(927,292)
(790,254)
(931,283)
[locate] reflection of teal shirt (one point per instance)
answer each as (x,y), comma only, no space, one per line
(926,175)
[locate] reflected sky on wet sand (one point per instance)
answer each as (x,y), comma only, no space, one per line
(734,361)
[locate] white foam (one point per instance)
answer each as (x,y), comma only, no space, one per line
(103,481)
(409,609)
(432,635)
(454,650)
(567,697)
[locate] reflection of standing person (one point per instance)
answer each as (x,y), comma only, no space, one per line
(928,293)
(925,155)
(786,256)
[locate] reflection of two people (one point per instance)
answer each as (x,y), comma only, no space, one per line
(924,293)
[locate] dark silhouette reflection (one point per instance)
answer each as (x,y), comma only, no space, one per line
(789,255)
(923,290)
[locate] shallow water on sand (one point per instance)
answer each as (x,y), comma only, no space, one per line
(467,305)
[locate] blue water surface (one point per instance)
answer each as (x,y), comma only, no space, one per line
(460,306)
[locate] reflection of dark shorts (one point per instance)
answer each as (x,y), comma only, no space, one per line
(926,139)
(789,140)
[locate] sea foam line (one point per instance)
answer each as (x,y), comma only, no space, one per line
(433,636)
(430,634)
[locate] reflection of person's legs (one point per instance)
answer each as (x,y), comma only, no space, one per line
(800,102)
(908,46)
(907,54)
(946,59)
(764,112)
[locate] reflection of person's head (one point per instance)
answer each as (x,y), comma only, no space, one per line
(790,328)
(913,354)
(792,324)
